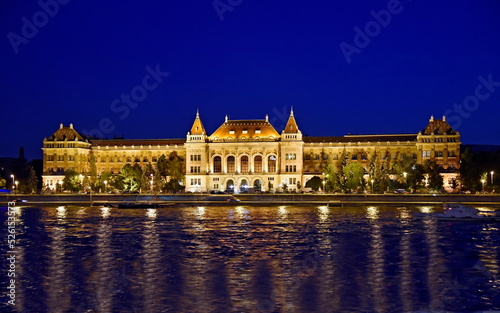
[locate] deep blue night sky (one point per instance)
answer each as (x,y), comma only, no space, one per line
(262,58)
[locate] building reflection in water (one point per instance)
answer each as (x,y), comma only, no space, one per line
(239,261)
(487,267)
(20,257)
(103,277)
(247,259)
(195,270)
(376,256)
(435,267)
(151,279)
(405,254)
(58,292)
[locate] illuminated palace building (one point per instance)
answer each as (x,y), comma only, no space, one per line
(244,154)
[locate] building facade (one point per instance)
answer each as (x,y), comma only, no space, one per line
(248,154)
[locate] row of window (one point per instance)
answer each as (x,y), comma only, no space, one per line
(291,168)
(244,164)
(291,156)
(60,145)
(244,131)
(195,181)
(104,159)
(438,154)
(195,169)
(440,139)
(196,157)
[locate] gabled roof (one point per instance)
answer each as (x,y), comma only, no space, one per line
(66,133)
(197,128)
(245,130)
(438,127)
(291,125)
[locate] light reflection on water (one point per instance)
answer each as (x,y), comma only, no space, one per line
(254,259)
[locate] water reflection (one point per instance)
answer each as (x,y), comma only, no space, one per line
(151,280)
(437,291)
(376,254)
(59,296)
(323,212)
(372,213)
(257,259)
(282,213)
(103,276)
(405,253)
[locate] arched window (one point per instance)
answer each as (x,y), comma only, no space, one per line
(257,164)
(230,185)
(257,185)
(230,164)
(217,164)
(244,185)
(244,164)
(271,164)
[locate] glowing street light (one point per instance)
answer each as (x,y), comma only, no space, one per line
(105,185)
(492,172)
(483,181)
(16,182)
(372,181)
(13,179)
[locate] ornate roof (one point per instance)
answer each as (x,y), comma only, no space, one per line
(245,130)
(438,127)
(197,128)
(66,133)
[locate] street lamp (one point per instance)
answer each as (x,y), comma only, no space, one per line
(483,181)
(105,185)
(492,172)
(16,182)
(13,179)
(372,183)
(324,182)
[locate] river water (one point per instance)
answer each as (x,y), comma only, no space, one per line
(250,259)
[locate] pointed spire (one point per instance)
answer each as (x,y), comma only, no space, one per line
(226,118)
(71,125)
(267,118)
(291,125)
(197,128)
(444,118)
(61,126)
(432,118)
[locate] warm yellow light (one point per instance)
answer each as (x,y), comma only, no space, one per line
(372,212)
(425,209)
(105,212)
(151,213)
